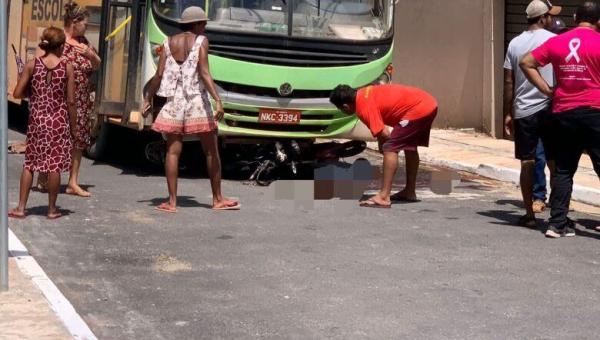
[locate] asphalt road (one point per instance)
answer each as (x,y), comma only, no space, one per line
(448,267)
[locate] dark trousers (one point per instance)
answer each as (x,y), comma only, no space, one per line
(539,183)
(575,131)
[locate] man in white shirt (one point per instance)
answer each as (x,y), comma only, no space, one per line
(524,104)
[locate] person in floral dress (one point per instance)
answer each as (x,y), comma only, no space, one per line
(79,53)
(51,81)
(184,79)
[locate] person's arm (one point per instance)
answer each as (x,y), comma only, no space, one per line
(509,78)
(530,66)
(154,83)
(382,137)
(71,104)
(89,52)
(23,81)
(207,79)
(370,115)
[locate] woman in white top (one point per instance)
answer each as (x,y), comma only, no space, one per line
(183,78)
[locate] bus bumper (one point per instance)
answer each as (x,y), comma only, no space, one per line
(319,118)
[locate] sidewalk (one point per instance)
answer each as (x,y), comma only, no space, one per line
(24,312)
(494,158)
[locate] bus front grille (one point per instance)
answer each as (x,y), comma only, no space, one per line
(289,57)
(271,92)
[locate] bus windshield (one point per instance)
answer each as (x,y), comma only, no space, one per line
(321,19)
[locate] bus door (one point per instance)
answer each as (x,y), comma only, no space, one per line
(121,50)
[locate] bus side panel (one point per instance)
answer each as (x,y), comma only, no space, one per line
(15,14)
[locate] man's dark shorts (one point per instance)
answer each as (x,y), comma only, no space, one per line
(528,131)
(411,135)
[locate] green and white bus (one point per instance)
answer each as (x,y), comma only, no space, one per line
(274,61)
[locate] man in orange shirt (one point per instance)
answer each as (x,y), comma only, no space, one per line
(410,111)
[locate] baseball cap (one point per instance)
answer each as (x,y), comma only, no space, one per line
(537,8)
(193,14)
(558,26)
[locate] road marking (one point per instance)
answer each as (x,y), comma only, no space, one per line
(57,301)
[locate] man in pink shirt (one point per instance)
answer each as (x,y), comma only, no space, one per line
(575,120)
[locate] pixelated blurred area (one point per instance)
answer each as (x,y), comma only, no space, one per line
(352,181)
(443,182)
(344,180)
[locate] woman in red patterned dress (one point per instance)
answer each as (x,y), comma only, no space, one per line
(79,53)
(51,120)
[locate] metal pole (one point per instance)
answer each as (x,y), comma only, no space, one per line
(3,149)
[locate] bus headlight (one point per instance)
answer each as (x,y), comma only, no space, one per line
(385,77)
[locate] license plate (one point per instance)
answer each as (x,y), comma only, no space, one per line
(273,116)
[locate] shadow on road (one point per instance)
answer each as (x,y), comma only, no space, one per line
(42,210)
(514,203)
(589,224)
(182,202)
(511,218)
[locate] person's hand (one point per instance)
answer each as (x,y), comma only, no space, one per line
(508,125)
(219,112)
(146,107)
(20,68)
(549,92)
(383,137)
(83,49)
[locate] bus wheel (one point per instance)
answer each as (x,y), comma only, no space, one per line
(156,152)
(99,147)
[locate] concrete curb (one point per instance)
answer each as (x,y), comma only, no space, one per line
(67,314)
(580,193)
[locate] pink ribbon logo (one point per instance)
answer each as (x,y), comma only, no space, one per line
(574,46)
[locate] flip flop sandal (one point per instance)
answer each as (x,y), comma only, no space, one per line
(236,206)
(162,208)
(372,204)
(16,216)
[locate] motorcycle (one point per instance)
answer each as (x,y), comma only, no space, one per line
(265,163)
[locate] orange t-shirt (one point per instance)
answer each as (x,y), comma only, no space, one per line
(380,105)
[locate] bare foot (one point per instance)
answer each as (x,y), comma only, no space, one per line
(404,196)
(54,214)
(76,190)
(16,213)
(166,207)
(226,204)
(376,200)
